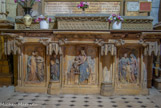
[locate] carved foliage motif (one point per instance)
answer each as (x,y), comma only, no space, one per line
(12,43)
(52,46)
(153,47)
(108,48)
(150,48)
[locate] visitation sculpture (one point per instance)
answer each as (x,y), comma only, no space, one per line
(35,67)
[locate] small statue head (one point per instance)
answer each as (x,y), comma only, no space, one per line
(125,55)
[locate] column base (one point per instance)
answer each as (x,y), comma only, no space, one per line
(157,83)
(107,89)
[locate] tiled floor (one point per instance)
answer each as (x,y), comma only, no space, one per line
(23,100)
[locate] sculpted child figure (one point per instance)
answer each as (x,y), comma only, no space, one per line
(76,64)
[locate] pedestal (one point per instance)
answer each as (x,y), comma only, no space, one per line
(157,83)
(107,89)
(5,76)
(54,87)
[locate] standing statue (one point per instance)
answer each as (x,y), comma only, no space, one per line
(134,67)
(31,67)
(55,68)
(40,67)
(123,64)
(84,67)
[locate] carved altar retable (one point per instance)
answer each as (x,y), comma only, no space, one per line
(65,60)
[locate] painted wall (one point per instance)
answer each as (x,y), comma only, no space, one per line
(155,10)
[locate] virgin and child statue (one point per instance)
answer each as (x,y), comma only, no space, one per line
(80,66)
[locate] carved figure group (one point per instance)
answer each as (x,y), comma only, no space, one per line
(128,69)
(35,67)
(80,66)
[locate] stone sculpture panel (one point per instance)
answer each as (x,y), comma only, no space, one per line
(128,65)
(81,67)
(35,61)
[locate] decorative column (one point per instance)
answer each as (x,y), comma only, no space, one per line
(5,75)
(12,44)
(108,52)
(5,72)
(151,49)
(108,55)
(54,61)
(157,81)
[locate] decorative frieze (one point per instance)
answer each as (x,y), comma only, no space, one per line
(83,25)
(99,22)
(34,26)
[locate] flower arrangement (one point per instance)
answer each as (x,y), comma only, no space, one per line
(43,18)
(83,5)
(26,3)
(114,18)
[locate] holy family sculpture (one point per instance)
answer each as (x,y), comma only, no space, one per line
(128,68)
